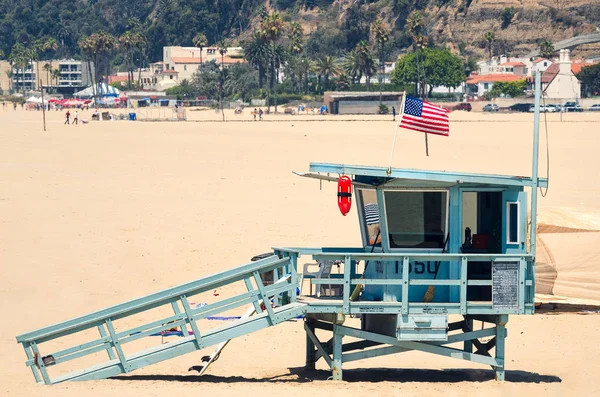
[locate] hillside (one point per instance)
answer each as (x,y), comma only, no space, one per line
(329,27)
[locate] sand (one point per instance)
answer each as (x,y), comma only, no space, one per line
(93,215)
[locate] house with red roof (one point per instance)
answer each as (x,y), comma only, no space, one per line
(479,84)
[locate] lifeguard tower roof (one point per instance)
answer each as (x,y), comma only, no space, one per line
(376,176)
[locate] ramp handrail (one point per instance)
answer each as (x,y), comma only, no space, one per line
(153,300)
(185,316)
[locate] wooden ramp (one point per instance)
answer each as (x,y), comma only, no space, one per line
(114,343)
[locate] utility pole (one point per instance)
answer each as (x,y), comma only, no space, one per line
(534,165)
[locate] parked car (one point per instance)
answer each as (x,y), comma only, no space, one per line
(595,107)
(464,106)
(553,108)
(544,109)
(491,107)
(572,107)
(521,107)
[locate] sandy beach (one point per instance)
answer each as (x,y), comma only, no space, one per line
(100,213)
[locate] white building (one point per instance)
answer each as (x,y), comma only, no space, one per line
(186,60)
(559,81)
(73,75)
(477,84)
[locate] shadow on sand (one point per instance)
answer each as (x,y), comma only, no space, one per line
(301,375)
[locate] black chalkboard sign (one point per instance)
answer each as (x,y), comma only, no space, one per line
(505,285)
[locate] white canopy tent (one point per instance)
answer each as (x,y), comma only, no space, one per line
(33,99)
(101,90)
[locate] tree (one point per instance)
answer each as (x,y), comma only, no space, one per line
(382,36)
(19,58)
(415,28)
(590,79)
(546,48)
(257,52)
(55,74)
(324,67)
(342,83)
(510,89)
(241,81)
(489,38)
(441,67)
(507,16)
(351,66)
(48,68)
(272,28)
(222,49)
(200,42)
(365,59)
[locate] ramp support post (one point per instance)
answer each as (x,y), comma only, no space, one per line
(337,353)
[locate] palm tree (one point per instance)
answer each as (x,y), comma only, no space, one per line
(304,68)
(19,58)
(325,66)
(258,54)
(546,49)
(415,28)
(272,28)
(351,66)
(367,65)
(89,51)
(48,67)
(489,38)
(200,42)
(55,74)
(126,42)
(222,49)
(382,36)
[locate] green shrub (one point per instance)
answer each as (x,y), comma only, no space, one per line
(384,109)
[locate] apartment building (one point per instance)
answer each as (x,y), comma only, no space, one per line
(73,75)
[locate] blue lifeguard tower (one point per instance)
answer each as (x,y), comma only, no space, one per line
(440,250)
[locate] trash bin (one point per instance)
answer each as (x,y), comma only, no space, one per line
(132,117)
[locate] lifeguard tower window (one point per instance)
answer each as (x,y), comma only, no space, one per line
(370,217)
(416,219)
(512,223)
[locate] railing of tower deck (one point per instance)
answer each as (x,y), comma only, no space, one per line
(111,339)
(350,278)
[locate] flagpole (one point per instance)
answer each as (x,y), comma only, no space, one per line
(389,170)
(426,145)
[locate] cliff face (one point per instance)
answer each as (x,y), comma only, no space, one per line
(517,24)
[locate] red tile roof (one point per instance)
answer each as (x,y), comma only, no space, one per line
(493,78)
(512,64)
(553,69)
(170,71)
(541,59)
(114,79)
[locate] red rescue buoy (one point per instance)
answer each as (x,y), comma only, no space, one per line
(344,194)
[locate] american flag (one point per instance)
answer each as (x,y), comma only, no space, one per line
(425,117)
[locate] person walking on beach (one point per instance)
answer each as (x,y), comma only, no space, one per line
(76,117)
(254,114)
(67,117)
(260,113)
(394,113)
